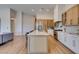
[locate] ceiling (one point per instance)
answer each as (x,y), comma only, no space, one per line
(30,9)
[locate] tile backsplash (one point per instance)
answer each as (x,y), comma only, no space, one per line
(71,29)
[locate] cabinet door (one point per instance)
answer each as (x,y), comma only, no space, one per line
(69,17)
(69,41)
(61,36)
(45,25)
(37,44)
(72,16)
(66,40)
(64,18)
(75,15)
(50,23)
(75,44)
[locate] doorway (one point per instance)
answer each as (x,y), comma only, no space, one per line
(12,26)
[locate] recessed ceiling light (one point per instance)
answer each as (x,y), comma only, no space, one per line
(47,10)
(40,9)
(33,10)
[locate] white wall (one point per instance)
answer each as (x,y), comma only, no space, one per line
(68,6)
(18,23)
(5,19)
(56,13)
(60,11)
(44,15)
(23,23)
(28,23)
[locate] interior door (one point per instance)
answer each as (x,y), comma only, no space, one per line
(12,26)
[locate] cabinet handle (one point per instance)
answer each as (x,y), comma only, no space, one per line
(78,20)
(71,22)
(74,43)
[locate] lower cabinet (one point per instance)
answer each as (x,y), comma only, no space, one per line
(60,36)
(37,44)
(75,44)
(0,39)
(69,40)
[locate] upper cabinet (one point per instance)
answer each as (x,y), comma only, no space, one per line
(50,23)
(46,24)
(71,17)
(64,18)
(75,15)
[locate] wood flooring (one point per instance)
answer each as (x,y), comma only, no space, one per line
(55,47)
(18,46)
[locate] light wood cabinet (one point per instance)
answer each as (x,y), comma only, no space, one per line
(71,16)
(75,15)
(46,24)
(64,18)
(50,23)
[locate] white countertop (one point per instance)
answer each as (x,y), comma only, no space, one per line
(38,33)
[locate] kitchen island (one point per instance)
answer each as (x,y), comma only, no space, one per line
(38,42)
